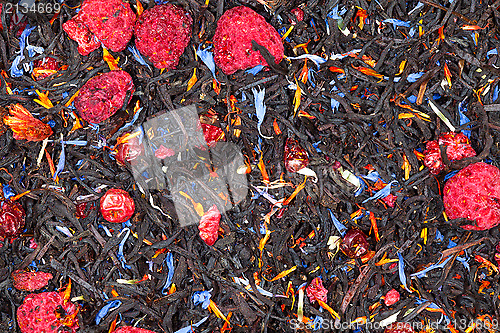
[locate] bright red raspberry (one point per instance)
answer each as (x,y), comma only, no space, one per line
(12,218)
(129,329)
(162,33)
(299,13)
(392,297)
(103,95)
(295,156)
(233,37)
(474,193)
(30,281)
(315,291)
(117,206)
(209,225)
(78,31)
(457,148)
(211,133)
(399,328)
(45,67)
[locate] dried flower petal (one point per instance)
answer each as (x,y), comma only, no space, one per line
(25,126)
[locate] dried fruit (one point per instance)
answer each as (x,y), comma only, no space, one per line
(45,67)
(212,134)
(162,33)
(164,152)
(391,297)
(25,126)
(30,281)
(295,156)
(457,147)
(117,206)
(474,193)
(315,291)
(47,312)
(299,14)
(354,244)
(209,225)
(11,218)
(111,21)
(103,95)
(128,150)
(233,37)
(399,328)
(130,329)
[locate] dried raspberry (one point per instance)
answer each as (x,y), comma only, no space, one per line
(457,148)
(399,328)
(11,218)
(211,133)
(79,32)
(30,281)
(162,33)
(391,297)
(164,152)
(354,244)
(295,156)
(390,200)
(103,95)
(47,312)
(209,225)
(45,67)
(474,193)
(117,206)
(233,37)
(129,329)
(316,291)
(299,13)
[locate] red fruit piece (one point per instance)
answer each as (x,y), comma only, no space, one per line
(45,67)
(129,329)
(315,291)
(399,328)
(354,244)
(474,193)
(299,13)
(162,33)
(233,37)
(295,156)
(212,134)
(79,32)
(117,206)
(209,225)
(30,281)
(47,312)
(391,297)
(164,152)
(128,150)
(81,210)
(11,218)
(103,95)
(25,126)
(457,148)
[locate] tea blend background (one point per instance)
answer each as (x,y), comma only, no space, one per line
(359,91)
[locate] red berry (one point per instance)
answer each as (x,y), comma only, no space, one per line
(11,218)
(81,210)
(103,95)
(474,193)
(164,152)
(162,33)
(391,297)
(209,225)
(354,244)
(295,156)
(233,37)
(399,328)
(129,150)
(390,200)
(45,67)
(30,281)
(299,13)
(47,312)
(315,291)
(129,329)
(79,32)
(211,133)
(117,206)
(457,148)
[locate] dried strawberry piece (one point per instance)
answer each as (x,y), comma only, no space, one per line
(390,200)
(299,14)
(47,312)
(209,225)
(212,134)
(162,33)
(117,206)
(30,281)
(399,328)
(233,37)
(25,126)
(354,244)
(12,218)
(78,31)
(130,329)
(129,150)
(103,95)
(457,148)
(315,291)
(392,297)
(164,152)
(474,193)
(295,156)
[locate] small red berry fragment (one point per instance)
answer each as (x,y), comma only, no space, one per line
(130,329)
(11,218)
(128,150)
(391,297)
(399,328)
(295,156)
(79,32)
(162,33)
(45,67)
(47,312)
(164,152)
(390,200)
(354,244)
(299,13)
(315,291)
(103,95)
(233,37)
(457,147)
(117,206)
(474,193)
(30,281)
(81,210)
(212,134)
(209,225)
